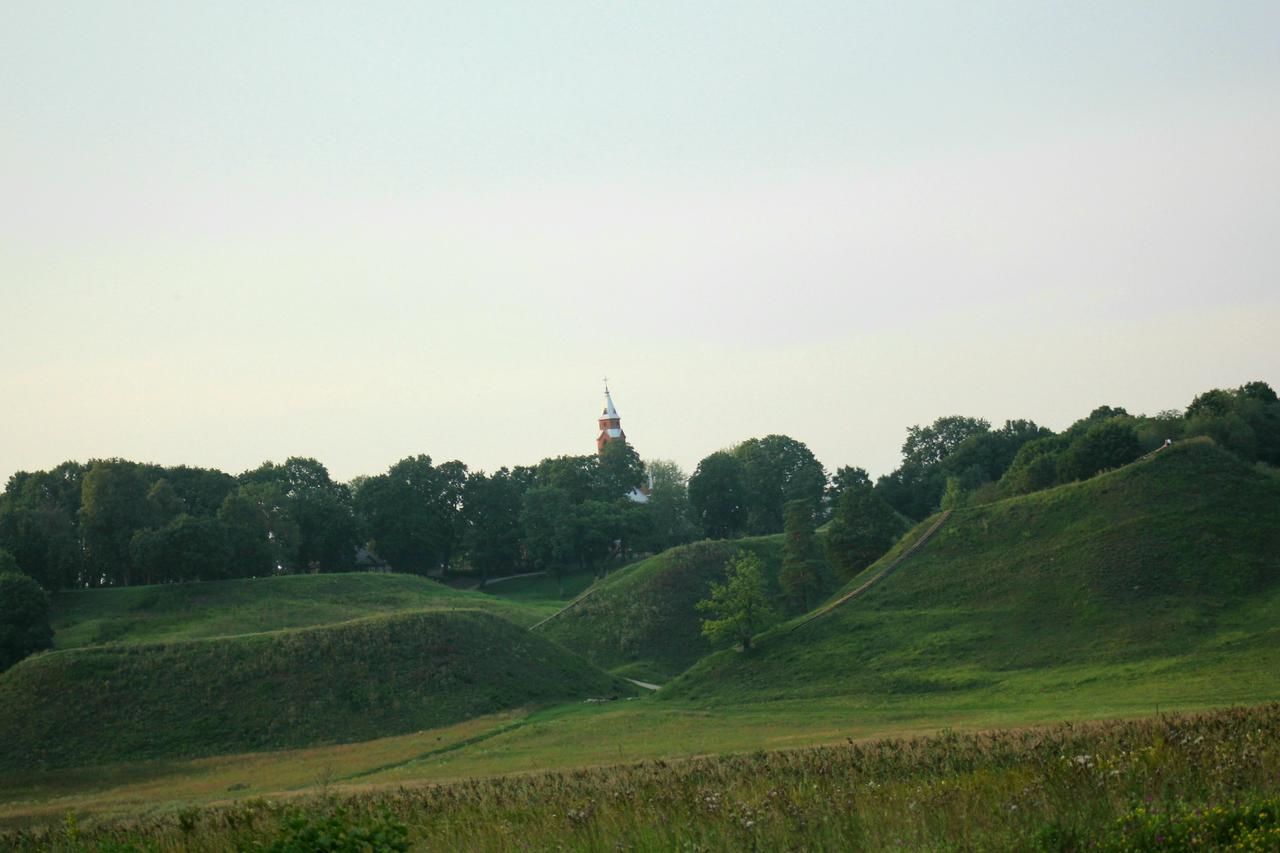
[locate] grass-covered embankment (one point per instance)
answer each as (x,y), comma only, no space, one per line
(166,612)
(1160,580)
(1171,782)
(645,619)
(336,684)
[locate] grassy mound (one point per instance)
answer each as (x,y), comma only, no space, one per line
(349,682)
(223,608)
(642,621)
(1159,582)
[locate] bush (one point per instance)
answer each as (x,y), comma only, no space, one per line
(24,618)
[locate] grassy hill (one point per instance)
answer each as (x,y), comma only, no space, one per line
(342,683)
(1158,582)
(169,612)
(642,621)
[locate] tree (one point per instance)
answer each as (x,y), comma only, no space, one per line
(413,513)
(777,469)
(491,507)
(321,509)
(113,506)
(717,496)
(618,471)
(186,548)
(24,616)
(670,521)
(738,608)
(547,518)
(261,535)
(863,528)
(801,576)
(915,488)
(1104,445)
(38,524)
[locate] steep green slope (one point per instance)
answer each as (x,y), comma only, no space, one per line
(643,621)
(349,682)
(1161,579)
(223,608)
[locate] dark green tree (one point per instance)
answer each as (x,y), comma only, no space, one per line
(321,509)
(801,577)
(186,548)
(24,615)
(113,506)
(670,516)
(618,471)
(739,608)
(1103,446)
(491,507)
(717,496)
(413,513)
(862,529)
(38,524)
(777,469)
(260,535)
(547,518)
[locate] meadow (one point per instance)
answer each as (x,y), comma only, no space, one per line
(1173,781)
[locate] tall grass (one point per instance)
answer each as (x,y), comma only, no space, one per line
(1110,785)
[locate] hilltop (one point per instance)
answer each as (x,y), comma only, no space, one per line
(334,684)
(1159,581)
(177,611)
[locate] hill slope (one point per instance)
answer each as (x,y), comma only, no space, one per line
(1161,579)
(223,608)
(643,620)
(341,683)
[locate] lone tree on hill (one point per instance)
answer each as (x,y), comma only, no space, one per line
(739,608)
(862,529)
(24,615)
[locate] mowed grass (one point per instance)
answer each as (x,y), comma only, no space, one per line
(353,681)
(1172,781)
(167,612)
(1168,567)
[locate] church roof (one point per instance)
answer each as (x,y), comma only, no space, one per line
(609,410)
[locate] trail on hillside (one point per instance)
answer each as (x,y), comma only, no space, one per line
(879,576)
(589,590)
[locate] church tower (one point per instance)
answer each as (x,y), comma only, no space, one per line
(610,423)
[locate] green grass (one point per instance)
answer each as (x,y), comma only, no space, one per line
(643,620)
(169,612)
(1159,579)
(353,681)
(540,595)
(1207,781)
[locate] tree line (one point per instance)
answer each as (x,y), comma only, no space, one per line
(114,522)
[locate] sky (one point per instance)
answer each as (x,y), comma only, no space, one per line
(240,231)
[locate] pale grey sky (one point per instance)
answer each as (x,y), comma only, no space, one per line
(241,231)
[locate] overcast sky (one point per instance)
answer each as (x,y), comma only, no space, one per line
(363,231)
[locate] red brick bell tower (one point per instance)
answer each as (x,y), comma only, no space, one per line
(610,423)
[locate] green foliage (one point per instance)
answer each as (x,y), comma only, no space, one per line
(1136,784)
(1105,445)
(352,681)
(113,507)
(739,608)
(618,470)
(802,577)
(1252,825)
(412,515)
(669,511)
(1165,574)
(492,513)
(777,469)
(645,616)
(718,495)
(319,509)
(862,528)
(338,831)
(24,616)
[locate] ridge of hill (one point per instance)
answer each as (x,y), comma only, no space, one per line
(341,683)
(1158,577)
(642,621)
(168,612)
